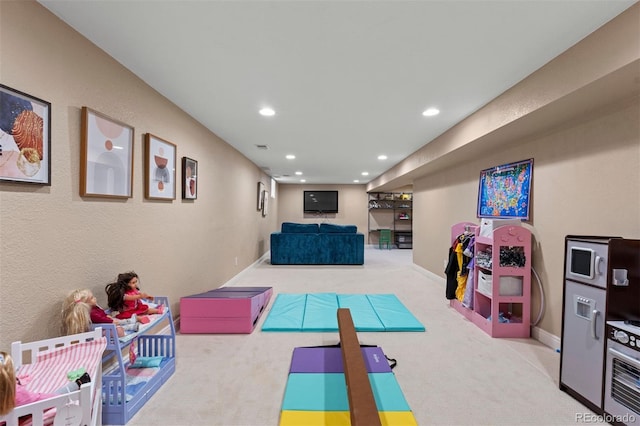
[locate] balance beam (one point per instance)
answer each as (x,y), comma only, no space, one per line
(362,404)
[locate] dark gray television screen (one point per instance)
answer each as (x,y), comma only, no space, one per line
(321,201)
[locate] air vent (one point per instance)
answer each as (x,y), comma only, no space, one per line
(262,146)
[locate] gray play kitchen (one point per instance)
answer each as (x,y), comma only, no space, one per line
(600,351)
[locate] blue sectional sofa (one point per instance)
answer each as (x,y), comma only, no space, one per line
(317,244)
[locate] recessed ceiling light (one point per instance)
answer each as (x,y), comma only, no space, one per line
(267,112)
(298,173)
(430,112)
(382,157)
(356,181)
(303,180)
(365,173)
(290,157)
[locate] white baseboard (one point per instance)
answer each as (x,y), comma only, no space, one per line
(537,333)
(546,338)
(429,274)
(176,323)
(239,274)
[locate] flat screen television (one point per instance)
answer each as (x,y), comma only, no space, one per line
(505,191)
(321,201)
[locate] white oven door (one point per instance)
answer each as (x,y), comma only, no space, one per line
(622,384)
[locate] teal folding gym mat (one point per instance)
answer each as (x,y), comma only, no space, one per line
(316,312)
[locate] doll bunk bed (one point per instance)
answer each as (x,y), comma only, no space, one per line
(127,385)
(46,364)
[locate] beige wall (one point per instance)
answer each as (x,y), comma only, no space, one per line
(578,118)
(352,205)
(580,186)
(53,241)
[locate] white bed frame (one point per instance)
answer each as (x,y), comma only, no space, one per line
(88,396)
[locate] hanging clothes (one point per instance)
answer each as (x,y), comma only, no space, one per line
(456,270)
(467,301)
(451,272)
(462,273)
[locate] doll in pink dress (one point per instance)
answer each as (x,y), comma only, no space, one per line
(125,297)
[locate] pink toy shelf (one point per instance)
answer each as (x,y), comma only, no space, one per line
(502,283)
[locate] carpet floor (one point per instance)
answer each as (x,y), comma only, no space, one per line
(452,374)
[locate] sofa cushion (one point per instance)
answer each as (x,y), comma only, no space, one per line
(299,228)
(332,228)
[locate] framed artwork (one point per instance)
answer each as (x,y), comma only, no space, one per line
(106,156)
(25,137)
(189,179)
(265,203)
(260,195)
(160,168)
(505,191)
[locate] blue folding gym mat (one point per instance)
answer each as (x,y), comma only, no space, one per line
(320,312)
(316,312)
(364,316)
(290,313)
(393,314)
(327,392)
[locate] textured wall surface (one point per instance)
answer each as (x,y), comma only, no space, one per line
(578,118)
(53,241)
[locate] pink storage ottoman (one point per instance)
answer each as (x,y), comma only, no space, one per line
(223,310)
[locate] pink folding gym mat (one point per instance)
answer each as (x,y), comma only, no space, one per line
(225,310)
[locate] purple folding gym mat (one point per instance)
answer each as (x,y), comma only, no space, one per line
(329,360)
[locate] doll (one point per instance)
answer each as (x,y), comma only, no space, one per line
(80,310)
(13,392)
(125,297)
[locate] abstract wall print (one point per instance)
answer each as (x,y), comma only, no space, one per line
(160,168)
(189,179)
(25,137)
(260,195)
(106,156)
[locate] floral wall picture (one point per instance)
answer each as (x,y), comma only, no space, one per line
(25,137)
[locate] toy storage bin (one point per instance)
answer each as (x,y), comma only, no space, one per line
(509,286)
(485,283)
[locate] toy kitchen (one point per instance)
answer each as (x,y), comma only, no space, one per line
(600,352)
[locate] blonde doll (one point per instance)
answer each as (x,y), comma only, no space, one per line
(13,393)
(80,310)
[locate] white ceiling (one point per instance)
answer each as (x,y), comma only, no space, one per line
(348,79)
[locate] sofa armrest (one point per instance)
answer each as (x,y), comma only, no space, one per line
(342,249)
(294,249)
